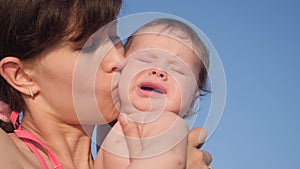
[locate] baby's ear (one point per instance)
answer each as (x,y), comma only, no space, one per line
(13,71)
(197,94)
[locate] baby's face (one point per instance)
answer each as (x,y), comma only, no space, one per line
(159,72)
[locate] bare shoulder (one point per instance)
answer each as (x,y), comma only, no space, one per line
(10,156)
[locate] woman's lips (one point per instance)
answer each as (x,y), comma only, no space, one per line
(147,89)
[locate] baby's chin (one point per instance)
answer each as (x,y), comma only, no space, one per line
(148,104)
(142,105)
(142,112)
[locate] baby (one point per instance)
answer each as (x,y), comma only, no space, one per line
(166,65)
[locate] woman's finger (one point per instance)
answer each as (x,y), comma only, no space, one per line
(132,136)
(207,158)
(197,159)
(197,137)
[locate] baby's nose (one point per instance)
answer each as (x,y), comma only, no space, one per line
(158,73)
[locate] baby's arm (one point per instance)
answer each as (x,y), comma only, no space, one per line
(163,143)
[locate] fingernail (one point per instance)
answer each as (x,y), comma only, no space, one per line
(202,136)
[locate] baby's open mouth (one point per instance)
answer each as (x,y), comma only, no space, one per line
(148,88)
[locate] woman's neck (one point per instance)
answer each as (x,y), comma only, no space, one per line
(69,143)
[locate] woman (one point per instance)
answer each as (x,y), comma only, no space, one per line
(40,43)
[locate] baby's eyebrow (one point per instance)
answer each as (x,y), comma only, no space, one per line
(177,62)
(151,54)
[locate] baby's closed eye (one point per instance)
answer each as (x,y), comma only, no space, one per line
(178,69)
(146,58)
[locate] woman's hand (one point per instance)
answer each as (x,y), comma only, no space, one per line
(132,136)
(197,159)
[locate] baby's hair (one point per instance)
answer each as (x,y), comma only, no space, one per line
(198,47)
(7,126)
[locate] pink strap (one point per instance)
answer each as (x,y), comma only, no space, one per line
(28,138)
(36,152)
(14,118)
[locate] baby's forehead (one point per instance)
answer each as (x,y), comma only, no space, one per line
(177,44)
(167,39)
(174,32)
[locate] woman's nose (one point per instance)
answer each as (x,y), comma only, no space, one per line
(113,59)
(158,73)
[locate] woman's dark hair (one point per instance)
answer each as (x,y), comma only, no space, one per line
(7,126)
(28,27)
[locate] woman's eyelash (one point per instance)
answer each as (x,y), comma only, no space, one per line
(87,49)
(115,39)
(89,46)
(92,44)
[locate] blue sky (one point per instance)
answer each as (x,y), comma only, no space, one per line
(258,42)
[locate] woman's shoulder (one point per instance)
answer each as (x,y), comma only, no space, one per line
(11,156)
(6,143)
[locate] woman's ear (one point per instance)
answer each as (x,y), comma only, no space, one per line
(13,71)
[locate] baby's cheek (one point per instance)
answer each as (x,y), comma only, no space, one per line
(174,102)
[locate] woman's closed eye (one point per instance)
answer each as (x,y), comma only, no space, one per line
(87,46)
(90,46)
(115,39)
